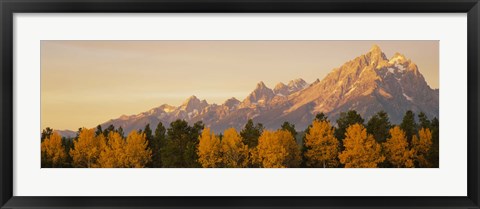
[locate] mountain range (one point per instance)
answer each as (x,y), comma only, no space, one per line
(369,83)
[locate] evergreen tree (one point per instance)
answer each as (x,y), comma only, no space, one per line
(148,132)
(345,120)
(379,126)
(409,125)
(177,137)
(286,126)
(47,132)
(321,117)
(423,120)
(99,130)
(251,133)
(196,130)
(109,129)
(157,143)
(149,137)
(433,155)
(181,144)
(120,131)
(68,145)
(78,132)
(191,156)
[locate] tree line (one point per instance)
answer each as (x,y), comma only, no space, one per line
(352,143)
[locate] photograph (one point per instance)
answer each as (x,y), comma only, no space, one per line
(239,104)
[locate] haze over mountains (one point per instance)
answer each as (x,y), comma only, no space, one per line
(369,83)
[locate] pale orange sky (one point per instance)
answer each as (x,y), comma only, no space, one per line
(85,83)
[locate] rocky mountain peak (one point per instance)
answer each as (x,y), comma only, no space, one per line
(167,108)
(261,95)
(232,102)
(281,88)
(297,84)
(368,83)
(193,103)
(191,99)
(405,65)
(398,55)
(261,85)
(375,49)
(398,59)
(292,87)
(375,56)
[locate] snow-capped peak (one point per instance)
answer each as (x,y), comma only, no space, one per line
(292,87)
(368,83)
(398,58)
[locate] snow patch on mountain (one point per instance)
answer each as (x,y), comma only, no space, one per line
(407,97)
(368,83)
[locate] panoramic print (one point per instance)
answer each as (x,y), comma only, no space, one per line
(239,104)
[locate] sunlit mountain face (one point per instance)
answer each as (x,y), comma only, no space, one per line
(369,83)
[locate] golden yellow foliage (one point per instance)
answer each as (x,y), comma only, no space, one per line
(137,153)
(53,151)
(87,148)
(422,146)
(396,149)
(322,146)
(277,150)
(209,149)
(113,156)
(234,151)
(361,150)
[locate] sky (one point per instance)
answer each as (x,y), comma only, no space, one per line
(86,83)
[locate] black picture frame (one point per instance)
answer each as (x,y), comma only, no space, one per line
(9,7)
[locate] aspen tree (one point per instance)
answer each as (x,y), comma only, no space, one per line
(322,146)
(361,150)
